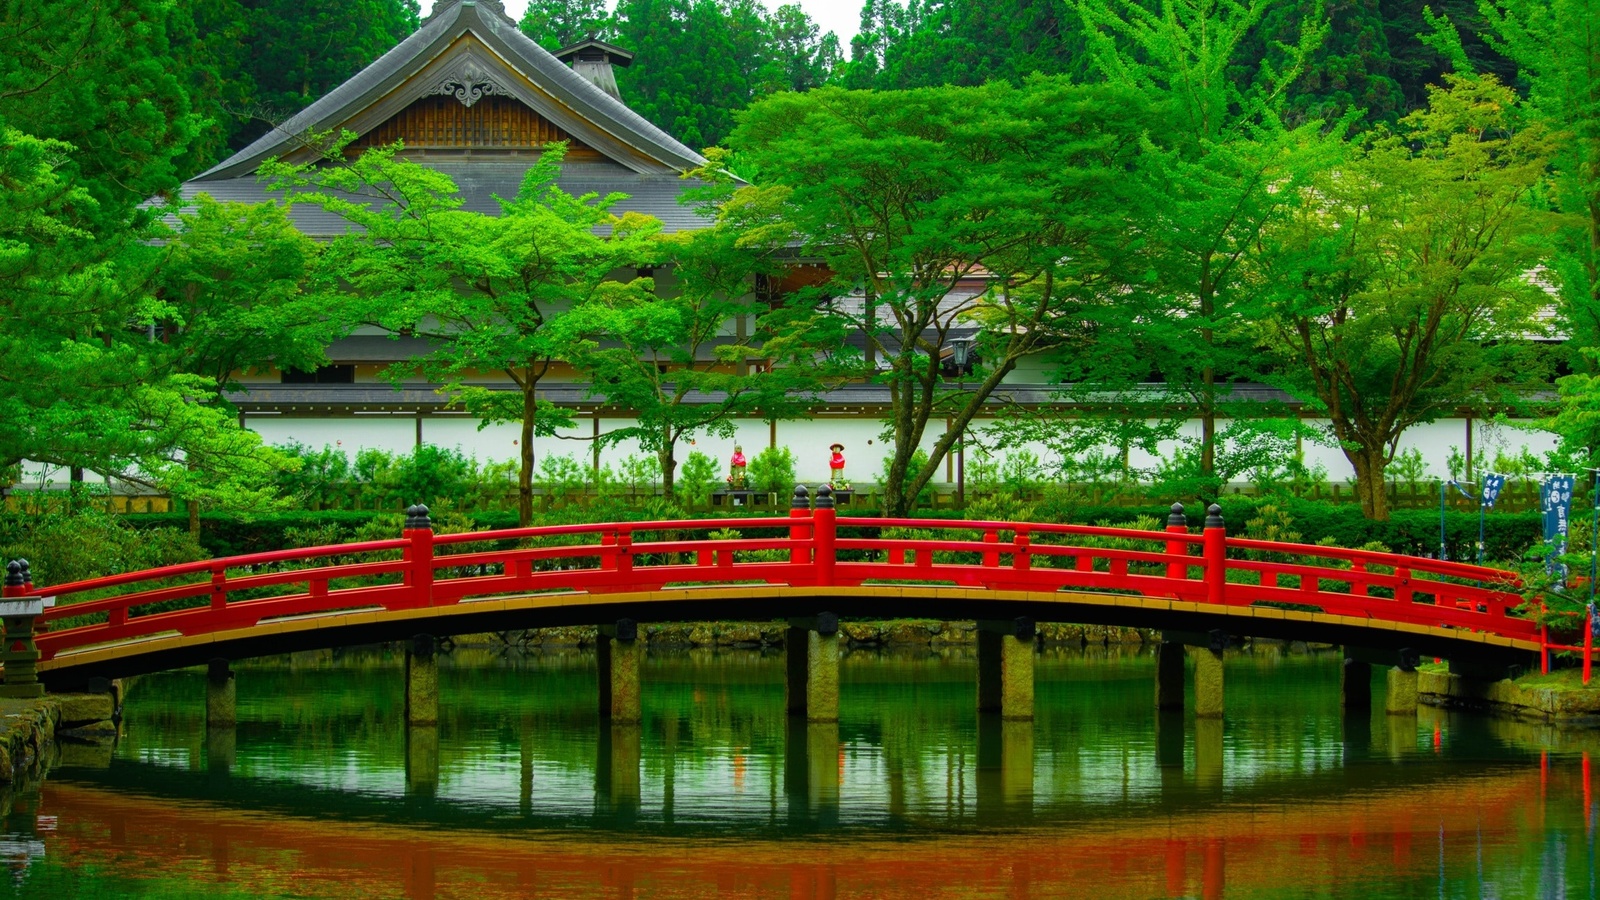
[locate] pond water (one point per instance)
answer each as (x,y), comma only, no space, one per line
(523,790)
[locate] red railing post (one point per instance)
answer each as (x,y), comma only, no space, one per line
(1588,643)
(1216,556)
(800,511)
(1178,523)
(15,583)
(822,519)
(1022,557)
(1544,641)
(991,558)
(624,549)
(419,574)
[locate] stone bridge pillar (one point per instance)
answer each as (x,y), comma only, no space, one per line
(1208,682)
(616,783)
(1005,766)
(620,656)
(1005,667)
(422,760)
(811,770)
(1355,686)
(1169,675)
(1401,697)
(811,667)
(422,680)
(221,696)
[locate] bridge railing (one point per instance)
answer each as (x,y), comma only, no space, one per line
(803,549)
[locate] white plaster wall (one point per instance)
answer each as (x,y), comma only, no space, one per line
(864,449)
(395,434)
(808,439)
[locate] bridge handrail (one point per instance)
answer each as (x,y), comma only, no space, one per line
(1174,563)
(536,531)
(1019,527)
(1373,557)
(213,566)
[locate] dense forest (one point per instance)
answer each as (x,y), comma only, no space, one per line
(245,64)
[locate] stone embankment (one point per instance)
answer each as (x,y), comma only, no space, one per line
(29,729)
(894,633)
(1558,697)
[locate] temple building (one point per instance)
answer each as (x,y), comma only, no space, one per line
(470,96)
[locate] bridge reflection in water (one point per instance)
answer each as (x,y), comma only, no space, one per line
(528,792)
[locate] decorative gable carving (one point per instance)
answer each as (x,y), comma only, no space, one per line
(468,81)
(498,122)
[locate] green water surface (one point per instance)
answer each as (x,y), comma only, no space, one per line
(523,790)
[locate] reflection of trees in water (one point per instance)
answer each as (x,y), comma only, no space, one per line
(714,733)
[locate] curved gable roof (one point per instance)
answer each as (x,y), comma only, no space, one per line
(563,93)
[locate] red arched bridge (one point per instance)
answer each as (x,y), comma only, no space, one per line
(1205,583)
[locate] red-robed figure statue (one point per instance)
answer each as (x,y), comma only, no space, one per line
(836,478)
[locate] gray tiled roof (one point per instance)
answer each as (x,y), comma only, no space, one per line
(423,397)
(480,181)
(498,32)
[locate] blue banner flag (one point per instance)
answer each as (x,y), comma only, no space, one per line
(1492,486)
(1555,499)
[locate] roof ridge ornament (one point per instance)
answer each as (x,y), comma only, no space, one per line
(468,82)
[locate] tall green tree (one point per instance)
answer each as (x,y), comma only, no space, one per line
(94,120)
(1352,70)
(291,53)
(698,62)
(1027,189)
(484,289)
(560,23)
(1556,46)
(1228,165)
(699,353)
(97,76)
(230,287)
(229,298)
(1401,291)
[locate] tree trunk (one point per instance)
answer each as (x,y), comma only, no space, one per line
(193,507)
(669,465)
(525,473)
(894,496)
(1370,466)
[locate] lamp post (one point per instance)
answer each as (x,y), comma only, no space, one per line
(960,349)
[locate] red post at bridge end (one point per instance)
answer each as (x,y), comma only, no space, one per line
(1588,643)
(825,530)
(800,510)
(419,573)
(1178,523)
(1215,549)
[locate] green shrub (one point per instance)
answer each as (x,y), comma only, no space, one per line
(63,545)
(772,470)
(918,462)
(562,477)
(697,479)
